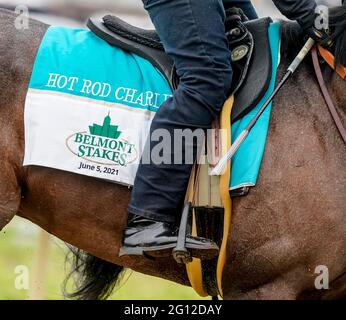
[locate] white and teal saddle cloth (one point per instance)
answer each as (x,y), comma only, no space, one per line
(89,107)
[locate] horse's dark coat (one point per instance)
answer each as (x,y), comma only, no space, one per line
(292,222)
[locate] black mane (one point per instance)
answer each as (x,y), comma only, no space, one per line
(293,37)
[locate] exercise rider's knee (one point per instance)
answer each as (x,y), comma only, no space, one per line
(211,91)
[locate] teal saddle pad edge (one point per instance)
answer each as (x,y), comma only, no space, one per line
(246,162)
(80,53)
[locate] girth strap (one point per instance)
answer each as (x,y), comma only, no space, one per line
(326,94)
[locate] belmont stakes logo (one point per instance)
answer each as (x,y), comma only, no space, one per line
(102,145)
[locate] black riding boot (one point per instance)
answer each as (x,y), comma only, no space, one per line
(157,239)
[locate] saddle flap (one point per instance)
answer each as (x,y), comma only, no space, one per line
(259,72)
(144,43)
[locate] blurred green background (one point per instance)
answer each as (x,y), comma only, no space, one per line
(20,245)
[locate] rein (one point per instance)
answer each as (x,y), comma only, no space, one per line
(329,58)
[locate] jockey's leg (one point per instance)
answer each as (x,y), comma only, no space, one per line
(245,5)
(193,34)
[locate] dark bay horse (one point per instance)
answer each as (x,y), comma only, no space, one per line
(292,222)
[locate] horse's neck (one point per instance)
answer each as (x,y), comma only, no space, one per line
(303,92)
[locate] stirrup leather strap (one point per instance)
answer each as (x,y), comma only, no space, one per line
(194,268)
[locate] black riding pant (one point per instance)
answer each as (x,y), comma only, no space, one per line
(193,34)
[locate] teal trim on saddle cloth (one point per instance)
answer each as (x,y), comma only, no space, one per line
(247,161)
(80,53)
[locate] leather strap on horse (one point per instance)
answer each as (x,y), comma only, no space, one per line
(194,268)
(225,124)
(329,58)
